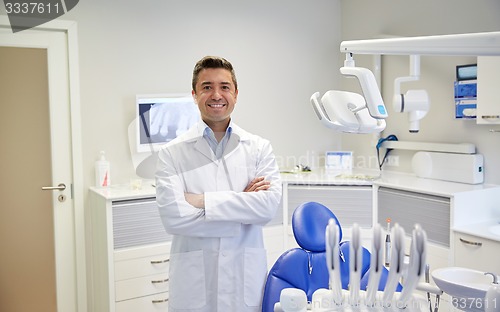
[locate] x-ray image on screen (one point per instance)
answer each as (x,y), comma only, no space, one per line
(161,120)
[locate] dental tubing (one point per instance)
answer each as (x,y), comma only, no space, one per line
(355,251)
(376,266)
(373,299)
(416,267)
(397,262)
(333,259)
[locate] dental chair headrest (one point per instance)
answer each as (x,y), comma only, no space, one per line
(309,222)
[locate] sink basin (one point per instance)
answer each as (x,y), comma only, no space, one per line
(462,282)
(495,229)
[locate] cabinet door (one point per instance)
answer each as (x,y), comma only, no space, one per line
(408,208)
(350,204)
(488,96)
(137,223)
(431,212)
(476,253)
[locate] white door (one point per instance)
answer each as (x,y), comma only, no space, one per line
(38,257)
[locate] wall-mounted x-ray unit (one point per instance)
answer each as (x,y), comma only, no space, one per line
(347,112)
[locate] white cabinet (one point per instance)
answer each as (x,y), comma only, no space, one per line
(439,206)
(431,212)
(141,272)
(477,253)
(273,237)
(488,96)
(129,252)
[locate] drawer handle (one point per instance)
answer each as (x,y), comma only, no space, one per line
(490,116)
(159,261)
(471,243)
(160,281)
(159,301)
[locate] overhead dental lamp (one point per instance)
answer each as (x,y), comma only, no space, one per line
(347,112)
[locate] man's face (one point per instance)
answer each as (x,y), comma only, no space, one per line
(215,95)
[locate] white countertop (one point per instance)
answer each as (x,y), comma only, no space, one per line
(125,191)
(412,183)
(480,229)
(358,177)
(326,177)
(392,179)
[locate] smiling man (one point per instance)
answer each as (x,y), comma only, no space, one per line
(217,186)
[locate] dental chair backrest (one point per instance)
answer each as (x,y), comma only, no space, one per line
(305,267)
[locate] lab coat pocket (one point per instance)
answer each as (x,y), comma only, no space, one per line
(255,270)
(187,277)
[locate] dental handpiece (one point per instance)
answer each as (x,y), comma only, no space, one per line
(417,264)
(355,252)
(388,243)
(397,262)
(376,266)
(333,259)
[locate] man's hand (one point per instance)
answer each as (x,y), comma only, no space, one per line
(196,200)
(258,184)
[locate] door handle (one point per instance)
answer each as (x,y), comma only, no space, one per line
(60,187)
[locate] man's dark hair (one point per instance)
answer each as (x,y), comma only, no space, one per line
(213,62)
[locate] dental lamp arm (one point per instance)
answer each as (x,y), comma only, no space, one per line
(472,44)
(374,101)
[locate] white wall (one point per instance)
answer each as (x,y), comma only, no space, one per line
(281,56)
(371,19)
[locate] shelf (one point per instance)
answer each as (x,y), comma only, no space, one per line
(459,148)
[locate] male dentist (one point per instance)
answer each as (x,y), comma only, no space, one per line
(217,186)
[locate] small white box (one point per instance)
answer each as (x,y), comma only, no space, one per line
(338,160)
(463,168)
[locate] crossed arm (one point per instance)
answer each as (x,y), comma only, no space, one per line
(256,185)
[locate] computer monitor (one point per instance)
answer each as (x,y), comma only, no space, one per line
(162,117)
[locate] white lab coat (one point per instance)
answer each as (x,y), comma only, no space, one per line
(217,260)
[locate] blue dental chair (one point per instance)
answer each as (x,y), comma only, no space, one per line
(305,267)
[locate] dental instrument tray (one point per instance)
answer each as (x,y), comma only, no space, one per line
(378,289)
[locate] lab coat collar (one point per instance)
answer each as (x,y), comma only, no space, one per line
(195,135)
(196,132)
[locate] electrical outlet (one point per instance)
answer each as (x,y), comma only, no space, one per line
(392,161)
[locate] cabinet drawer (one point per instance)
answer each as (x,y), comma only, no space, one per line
(137,223)
(154,303)
(127,269)
(349,204)
(477,253)
(408,208)
(141,286)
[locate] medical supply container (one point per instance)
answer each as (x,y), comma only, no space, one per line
(102,171)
